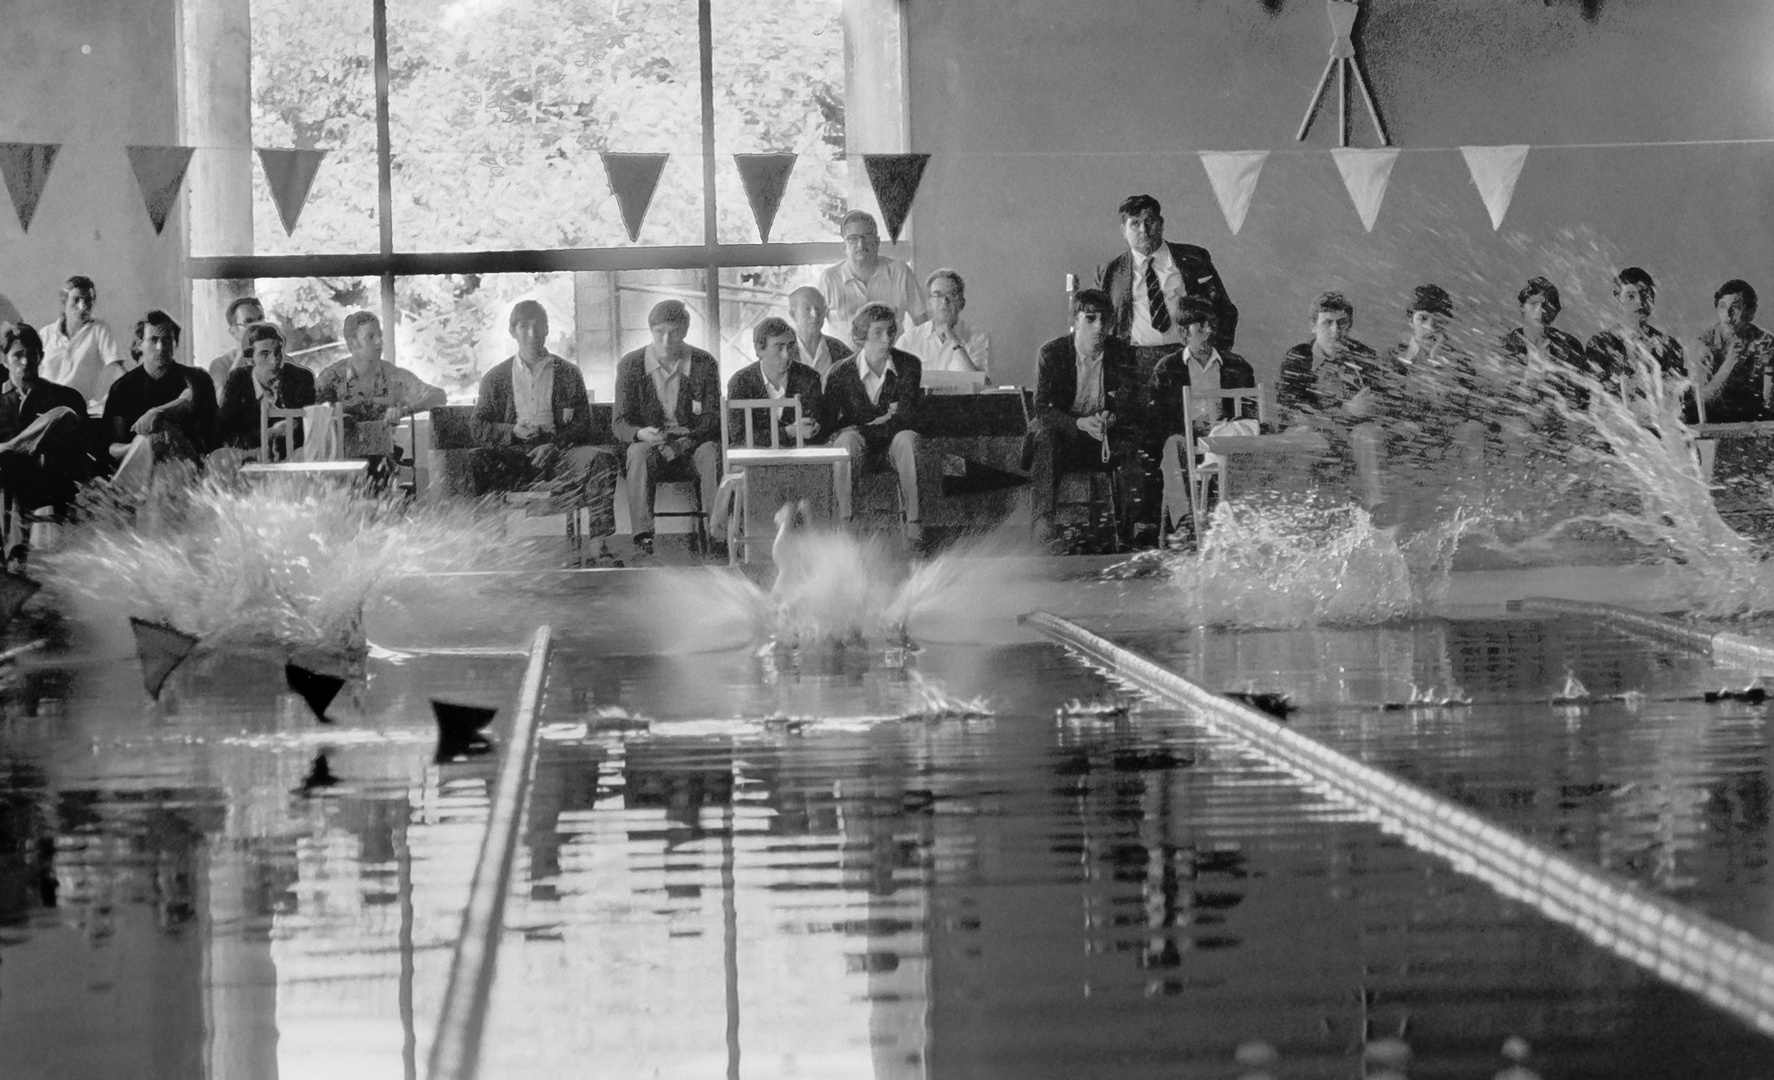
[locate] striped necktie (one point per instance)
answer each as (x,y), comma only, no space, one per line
(1155,301)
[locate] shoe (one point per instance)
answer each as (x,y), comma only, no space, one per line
(643,543)
(717,550)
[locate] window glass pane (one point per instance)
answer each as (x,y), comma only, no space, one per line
(314,87)
(779,87)
(453,327)
(499,111)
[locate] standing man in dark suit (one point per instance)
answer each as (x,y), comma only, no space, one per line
(1083,381)
(1147,284)
(675,442)
(533,427)
(872,403)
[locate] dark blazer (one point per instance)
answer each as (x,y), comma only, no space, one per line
(847,401)
(1199,279)
(237,421)
(1172,374)
(1056,381)
(1296,388)
(748,382)
(495,408)
(697,410)
(1562,347)
(17,414)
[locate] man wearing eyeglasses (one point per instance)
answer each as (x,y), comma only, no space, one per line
(867,277)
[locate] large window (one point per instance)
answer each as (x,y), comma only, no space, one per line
(463,171)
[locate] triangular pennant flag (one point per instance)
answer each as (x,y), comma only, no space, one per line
(1495,169)
(633,177)
(1233,175)
(1365,174)
(15,589)
(895,180)
(975,478)
(317,688)
(459,730)
(25,167)
(290,174)
(159,172)
(160,648)
(765,177)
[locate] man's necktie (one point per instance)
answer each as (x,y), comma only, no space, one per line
(1155,300)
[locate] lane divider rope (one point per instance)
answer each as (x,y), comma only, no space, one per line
(1735,650)
(455,1047)
(1728,967)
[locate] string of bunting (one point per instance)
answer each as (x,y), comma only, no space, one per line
(25,169)
(290,173)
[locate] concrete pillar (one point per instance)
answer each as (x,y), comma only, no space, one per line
(877,118)
(216,106)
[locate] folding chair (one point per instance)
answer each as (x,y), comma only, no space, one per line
(1196,451)
(753,470)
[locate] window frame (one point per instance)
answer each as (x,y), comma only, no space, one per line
(387,264)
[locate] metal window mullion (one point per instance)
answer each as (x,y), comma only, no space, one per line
(384,175)
(710,235)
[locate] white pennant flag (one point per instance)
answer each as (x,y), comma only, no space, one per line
(1495,169)
(1365,174)
(1233,174)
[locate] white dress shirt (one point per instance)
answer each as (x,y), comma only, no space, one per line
(1170,282)
(1204,378)
(950,349)
(871,381)
(1087,400)
(532,392)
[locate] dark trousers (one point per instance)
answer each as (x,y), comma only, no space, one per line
(1055,447)
(579,476)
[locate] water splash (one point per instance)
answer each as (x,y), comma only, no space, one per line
(835,588)
(1277,565)
(269,565)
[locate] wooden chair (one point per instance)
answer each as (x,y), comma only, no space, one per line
(270,415)
(750,470)
(1197,450)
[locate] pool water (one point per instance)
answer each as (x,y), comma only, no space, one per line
(766,864)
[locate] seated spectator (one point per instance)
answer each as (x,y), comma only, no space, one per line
(867,277)
(161,416)
(1534,359)
(818,350)
(946,342)
(1319,377)
(1082,381)
(44,452)
(374,394)
(242,313)
(77,348)
(1424,399)
(1611,354)
(1170,433)
(668,413)
(266,379)
(1734,362)
(533,428)
(871,403)
(776,374)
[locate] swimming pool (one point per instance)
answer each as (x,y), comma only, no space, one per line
(789,871)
